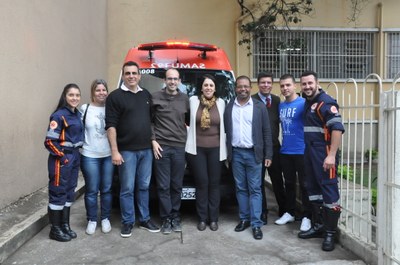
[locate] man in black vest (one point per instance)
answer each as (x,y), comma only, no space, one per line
(265,81)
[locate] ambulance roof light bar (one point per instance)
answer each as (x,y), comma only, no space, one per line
(177,45)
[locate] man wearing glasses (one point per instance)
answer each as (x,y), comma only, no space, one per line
(249,145)
(170,110)
(128,125)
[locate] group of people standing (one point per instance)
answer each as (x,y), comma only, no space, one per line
(131,129)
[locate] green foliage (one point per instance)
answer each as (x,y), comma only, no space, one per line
(374,195)
(346,171)
(285,12)
(374,154)
(268,14)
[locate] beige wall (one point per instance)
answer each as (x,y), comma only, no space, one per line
(45,44)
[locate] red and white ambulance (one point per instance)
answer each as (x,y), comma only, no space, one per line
(192,60)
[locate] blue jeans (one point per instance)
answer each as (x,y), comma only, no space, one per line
(134,177)
(248,185)
(170,170)
(98,174)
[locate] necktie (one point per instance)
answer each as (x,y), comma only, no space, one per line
(268,102)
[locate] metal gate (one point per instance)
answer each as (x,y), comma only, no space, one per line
(358,168)
(389,177)
(369,169)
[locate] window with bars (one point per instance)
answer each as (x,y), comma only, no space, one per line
(393,55)
(333,54)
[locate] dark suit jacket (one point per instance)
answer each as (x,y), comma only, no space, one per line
(261,131)
(273,114)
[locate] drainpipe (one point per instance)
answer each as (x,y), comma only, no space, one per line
(381,45)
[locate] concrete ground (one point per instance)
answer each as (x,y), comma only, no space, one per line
(280,244)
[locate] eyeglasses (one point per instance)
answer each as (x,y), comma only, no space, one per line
(172,78)
(243,87)
(130,73)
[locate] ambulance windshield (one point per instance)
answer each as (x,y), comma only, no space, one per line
(153,79)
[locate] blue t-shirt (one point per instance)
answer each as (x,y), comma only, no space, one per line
(291,117)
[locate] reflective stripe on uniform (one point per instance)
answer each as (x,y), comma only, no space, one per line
(69,144)
(334,120)
(52,134)
(315,197)
(313,129)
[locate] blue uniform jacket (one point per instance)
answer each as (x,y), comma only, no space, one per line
(65,132)
(321,117)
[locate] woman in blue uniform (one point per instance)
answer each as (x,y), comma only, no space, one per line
(63,139)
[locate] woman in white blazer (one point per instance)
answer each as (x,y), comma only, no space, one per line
(206,150)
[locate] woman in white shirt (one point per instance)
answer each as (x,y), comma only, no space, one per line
(96,164)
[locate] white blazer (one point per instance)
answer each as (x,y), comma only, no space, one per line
(191,147)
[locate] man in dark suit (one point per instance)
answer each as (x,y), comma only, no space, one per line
(249,147)
(265,81)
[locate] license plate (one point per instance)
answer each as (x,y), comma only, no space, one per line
(188,194)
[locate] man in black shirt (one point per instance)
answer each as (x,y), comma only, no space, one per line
(128,125)
(265,81)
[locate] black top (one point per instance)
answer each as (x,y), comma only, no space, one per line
(130,114)
(273,114)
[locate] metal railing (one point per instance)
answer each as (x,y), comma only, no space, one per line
(369,172)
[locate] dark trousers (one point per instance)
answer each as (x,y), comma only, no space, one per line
(275,173)
(206,169)
(170,169)
(63,179)
(293,168)
(322,186)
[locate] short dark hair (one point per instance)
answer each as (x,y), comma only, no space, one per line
(287,76)
(242,77)
(131,63)
(265,74)
(307,73)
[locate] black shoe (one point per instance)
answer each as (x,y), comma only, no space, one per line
(329,241)
(67,230)
(214,226)
(242,226)
(65,222)
(56,233)
(257,233)
(149,226)
(166,227)
(176,225)
(201,226)
(264,218)
(316,231)
(126,230)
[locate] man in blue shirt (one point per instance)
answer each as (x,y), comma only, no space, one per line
(292,151)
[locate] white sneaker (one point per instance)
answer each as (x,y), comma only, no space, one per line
(305,224)
(91,227)
(105,225)
(286,218)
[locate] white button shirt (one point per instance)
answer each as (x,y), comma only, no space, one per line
(242,119)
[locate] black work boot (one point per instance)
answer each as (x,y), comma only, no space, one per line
(65,222)
(331,218)
(56,232)
(317,227)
